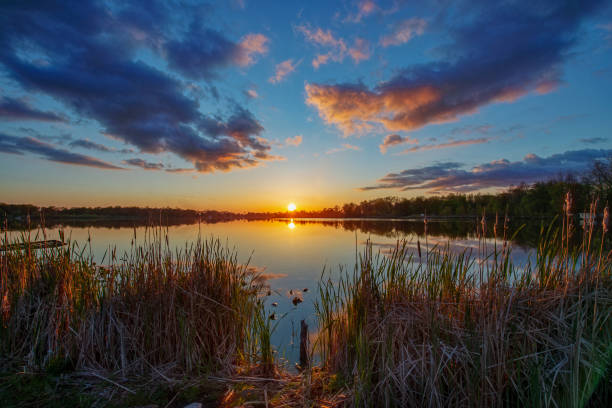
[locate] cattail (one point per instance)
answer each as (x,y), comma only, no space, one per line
(483,224)
(606,219)
(419,248)
(495,225)
(567,207)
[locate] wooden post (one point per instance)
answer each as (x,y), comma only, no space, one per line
(304,358)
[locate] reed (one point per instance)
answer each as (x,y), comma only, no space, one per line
(474,329)
(153,310)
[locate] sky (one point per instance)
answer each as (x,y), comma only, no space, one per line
(248,105)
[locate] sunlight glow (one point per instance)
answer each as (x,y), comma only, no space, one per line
(291,207)
(291,225)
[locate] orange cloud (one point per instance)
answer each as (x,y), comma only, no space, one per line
(319,60)
(364,9)
(294,141)
(251,45)
(353,108)
(321,37)
(282,70)
(338,49)
(407,102)
(473,71)
(360,51)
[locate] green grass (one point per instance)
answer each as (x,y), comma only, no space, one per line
(36,390)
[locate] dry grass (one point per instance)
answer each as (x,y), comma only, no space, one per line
(402,329)
(153,311)
(474,330)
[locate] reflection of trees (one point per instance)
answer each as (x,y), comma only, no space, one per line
(112,223)
(527,234)
(107,223)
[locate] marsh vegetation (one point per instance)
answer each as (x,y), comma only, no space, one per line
(411,325)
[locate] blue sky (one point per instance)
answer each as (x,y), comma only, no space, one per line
(248,105)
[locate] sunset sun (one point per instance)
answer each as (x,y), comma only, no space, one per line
(291,207)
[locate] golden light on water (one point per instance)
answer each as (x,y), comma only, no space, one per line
(291,225)
(291,207)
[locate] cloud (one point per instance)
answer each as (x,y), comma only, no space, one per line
(477,129)
(451,177)
(176,170)
(338,50)
(294,141)
(251,93)
(324,38)
(282,70)
(345,147)
(88,144)
(473,72)
(404,31)
(20,145)
(594,140)
(364,9)
(94,66)
(59,139)
(413,177)
(320,59)
(16,109)
(452,143)
(203,50)
(251,46)
(145,165)
(354,109)
(360,51)
(394,140)
(367,8)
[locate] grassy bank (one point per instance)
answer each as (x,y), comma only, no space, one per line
(441,329)
(405,327)
(152,314)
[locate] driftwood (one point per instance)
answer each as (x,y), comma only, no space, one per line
(52,243)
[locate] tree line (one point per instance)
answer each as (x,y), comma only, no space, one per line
(541,199)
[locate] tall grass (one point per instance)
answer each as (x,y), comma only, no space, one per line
(464,329)
(153,310)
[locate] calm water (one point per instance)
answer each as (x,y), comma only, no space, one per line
(293,253)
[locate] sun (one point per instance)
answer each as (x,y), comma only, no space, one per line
(291,207)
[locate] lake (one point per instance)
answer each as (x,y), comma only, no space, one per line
(293,253)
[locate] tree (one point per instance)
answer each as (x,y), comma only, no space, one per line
(600,178)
